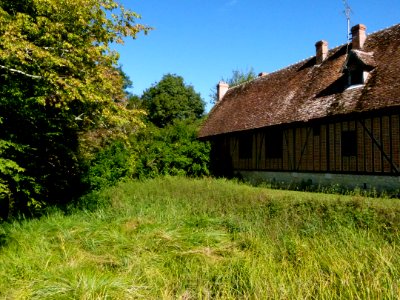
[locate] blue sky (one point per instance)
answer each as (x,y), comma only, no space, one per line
(205,40)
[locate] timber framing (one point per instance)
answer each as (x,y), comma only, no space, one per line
(317,146)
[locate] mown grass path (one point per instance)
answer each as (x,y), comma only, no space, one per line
(177,238)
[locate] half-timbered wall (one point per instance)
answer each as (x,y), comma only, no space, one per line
(368,145)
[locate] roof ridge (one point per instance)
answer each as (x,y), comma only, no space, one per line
(302,91)
(389,27)
(310,57)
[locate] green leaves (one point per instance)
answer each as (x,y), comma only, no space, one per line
(171,99)
(8,169)
(109,165)
(172,150)
(152,152)
(61,93)
(65,46)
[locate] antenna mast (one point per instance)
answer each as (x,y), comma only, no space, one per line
(347,11)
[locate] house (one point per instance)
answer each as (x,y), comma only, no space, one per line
(330,119)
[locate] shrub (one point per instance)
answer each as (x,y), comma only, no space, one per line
(109,165)
(172,150)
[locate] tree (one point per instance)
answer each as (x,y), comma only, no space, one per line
(61,87)
(169,146)
(63,47)
(134,102)
(171,99)
(237,77)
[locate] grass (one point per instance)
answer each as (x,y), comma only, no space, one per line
(176,238)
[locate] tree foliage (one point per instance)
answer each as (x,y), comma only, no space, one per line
(61,90)
(167,146)
(239,77)
(152,152)
(171,99)
(109,165)
(172,150)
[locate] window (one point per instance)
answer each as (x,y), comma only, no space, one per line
(357,67)
(356,77)
(274,144)
(349,143)
(245,146)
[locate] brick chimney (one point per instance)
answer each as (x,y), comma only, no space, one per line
(321,48)
(222,88)
(359,36)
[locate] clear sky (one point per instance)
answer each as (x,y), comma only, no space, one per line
(205,40)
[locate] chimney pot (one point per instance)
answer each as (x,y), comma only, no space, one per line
(358,36)
(222,88)
(321,48)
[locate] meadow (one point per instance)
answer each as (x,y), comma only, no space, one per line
(179,238)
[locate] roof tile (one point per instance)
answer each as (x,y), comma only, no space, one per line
(305,91)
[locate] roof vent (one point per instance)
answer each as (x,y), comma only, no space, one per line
(359,36)
(321,48)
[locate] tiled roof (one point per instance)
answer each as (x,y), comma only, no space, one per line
(365,58)
(305,91)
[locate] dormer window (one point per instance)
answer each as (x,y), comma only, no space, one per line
(357,77)
(357,67)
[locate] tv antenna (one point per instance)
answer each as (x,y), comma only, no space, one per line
(347,11)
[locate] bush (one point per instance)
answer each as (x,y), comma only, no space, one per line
(172,150)
(109,165)
(153,152)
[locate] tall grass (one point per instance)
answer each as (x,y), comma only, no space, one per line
(176,238)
